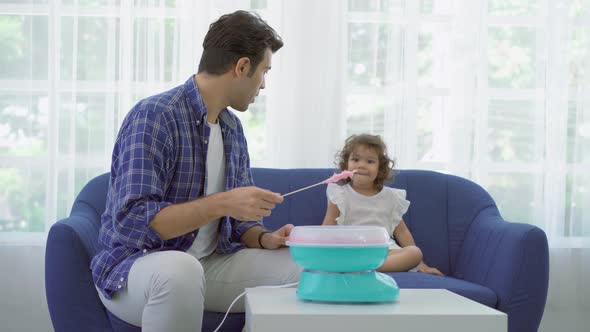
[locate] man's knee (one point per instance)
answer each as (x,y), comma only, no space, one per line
(285,268)
(180,273)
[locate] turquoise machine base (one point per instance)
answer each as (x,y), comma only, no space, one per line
(343,274)
(367,286)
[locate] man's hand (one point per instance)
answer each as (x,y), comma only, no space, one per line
(422,267)
(250,203)
(277,238)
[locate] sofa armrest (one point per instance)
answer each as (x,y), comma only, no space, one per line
(512,259)
(71,296)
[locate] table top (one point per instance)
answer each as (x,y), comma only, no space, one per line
(284,301)
(417,310)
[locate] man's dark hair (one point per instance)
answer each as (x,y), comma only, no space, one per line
(234,36)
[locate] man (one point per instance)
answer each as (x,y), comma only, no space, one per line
(181,203)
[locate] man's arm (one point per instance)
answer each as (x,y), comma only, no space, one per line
(250,237)
(244,203)
(179,219)
(269,240)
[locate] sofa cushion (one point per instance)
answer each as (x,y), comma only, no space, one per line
(233,322)
(467,289)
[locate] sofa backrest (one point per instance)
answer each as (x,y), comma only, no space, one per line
(89,206)
(304,208)
(441,210)
(71,244)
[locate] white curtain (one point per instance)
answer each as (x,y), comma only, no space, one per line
(497,91)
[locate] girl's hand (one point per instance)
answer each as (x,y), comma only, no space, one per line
(277,238)
(422,267)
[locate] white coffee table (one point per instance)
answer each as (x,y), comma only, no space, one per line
(279,309)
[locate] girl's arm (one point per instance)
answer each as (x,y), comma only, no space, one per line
(404,238)
(331,214)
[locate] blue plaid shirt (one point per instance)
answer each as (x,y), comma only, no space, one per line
(159,159)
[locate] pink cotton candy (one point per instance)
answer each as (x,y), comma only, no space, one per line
(341,176)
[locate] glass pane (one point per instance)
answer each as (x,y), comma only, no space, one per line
(69,186)
(22,200)
(425,58)
(366,114)
(512,131)
(431,131)
(90,49)
(23,124)
(155,50)
(511,57)
(577,205)
(23,45)
(155,3)
(373,54)
(424,131)
(65,198)
(436,7)
(579,8)
(83,120)
(92,3)
(579,56)
(433,52)
(578,132)
(362,5)
(384,6)
(513,7)
(258,4)
(393,6)
(24,1)
(426,6)
(514,194)
(254,123)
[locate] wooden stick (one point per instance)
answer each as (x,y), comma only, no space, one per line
(298,190)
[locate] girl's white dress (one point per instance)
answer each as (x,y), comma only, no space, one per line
(385,209)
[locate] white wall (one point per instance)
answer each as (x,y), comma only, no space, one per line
(568,301)
(23,306)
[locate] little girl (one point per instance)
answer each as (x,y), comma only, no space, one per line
(364,200)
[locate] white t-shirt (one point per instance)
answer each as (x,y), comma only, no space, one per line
(384,209)
(206,241)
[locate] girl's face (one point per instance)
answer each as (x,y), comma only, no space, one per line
(365,161)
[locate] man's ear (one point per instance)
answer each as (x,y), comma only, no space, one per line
(242,67)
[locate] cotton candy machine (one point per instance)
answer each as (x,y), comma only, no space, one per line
(339,263)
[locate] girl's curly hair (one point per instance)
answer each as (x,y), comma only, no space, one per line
(386,164)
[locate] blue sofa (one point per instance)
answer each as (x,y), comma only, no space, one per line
(454,221)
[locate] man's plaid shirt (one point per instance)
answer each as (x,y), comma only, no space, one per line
(159,159)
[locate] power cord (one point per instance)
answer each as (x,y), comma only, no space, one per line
(243,293)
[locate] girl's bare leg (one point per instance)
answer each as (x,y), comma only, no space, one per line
(400,260)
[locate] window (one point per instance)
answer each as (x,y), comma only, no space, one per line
(71,70)
(495,91)
(485,92)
